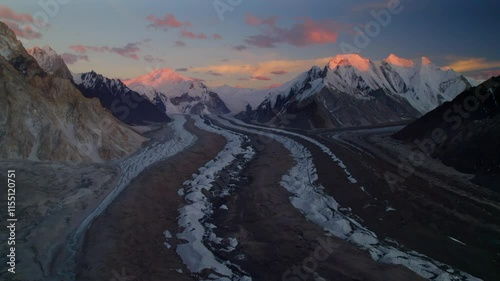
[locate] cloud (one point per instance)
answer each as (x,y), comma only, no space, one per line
(8,14)
(182,69)
(254,21)
(472,64)
(213,73)
(263,68)
(152,59)
(191,35)
(168,21)
(261,78)
(240,48)
(272,86)
(279,72)
(129,51)
(23,25)
(72,58)
(179,44)
(243,79)
(197,79)
(262,41)
(26,32)
(485,74)
(217,37)
(307,32)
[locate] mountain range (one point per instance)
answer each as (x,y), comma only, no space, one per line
(175,93)
(349,91)
(125,104)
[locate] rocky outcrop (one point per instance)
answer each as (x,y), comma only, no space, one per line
(50,61)
(44,117)
(463,133)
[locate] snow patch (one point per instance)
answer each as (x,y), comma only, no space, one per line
(195,255)
(309,197)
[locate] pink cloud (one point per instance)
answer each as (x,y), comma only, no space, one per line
(307,32)
(279,72)
(168,21)
(25,32)
(272,86)
(72,58)
(8,14)
(254,21)
(261,78)
(217,37)
(180,44)
(191,35)
(21,24)
(79,49)
(485,74)
(240,48)
(129,51)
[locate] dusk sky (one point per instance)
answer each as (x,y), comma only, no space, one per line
(255,43)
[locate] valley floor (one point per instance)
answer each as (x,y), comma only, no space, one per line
(242,202)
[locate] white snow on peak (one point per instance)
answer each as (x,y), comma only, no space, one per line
(45,56)
(397,61)
(161,76)
(426,61)
(167,82)
(353,60)
(423,84)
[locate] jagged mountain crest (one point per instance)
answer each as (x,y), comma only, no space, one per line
(125,104)
(398,88)
(44,117)
(176,93)
(50,61)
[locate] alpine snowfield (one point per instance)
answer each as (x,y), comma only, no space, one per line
(309,197)
(194,215)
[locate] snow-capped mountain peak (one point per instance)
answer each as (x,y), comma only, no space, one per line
(175,93)
(160,77)
(426,61)
(389,90)
(50,61)
(353,60)
(397,61)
